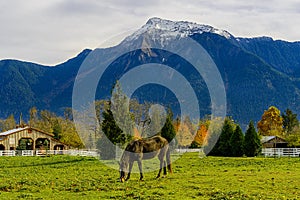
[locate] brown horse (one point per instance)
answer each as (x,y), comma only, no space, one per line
(143,149)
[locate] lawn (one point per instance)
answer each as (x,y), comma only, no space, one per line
(67,177)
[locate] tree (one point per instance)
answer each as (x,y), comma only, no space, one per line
(184,136)
(214,130)
(68,114)
(168,130)
(33,116)
(9,123)
(293,138)
(271,122)
(237,142)
(114,136)
(120,109)
(227,132)
(290,121)
(57,129)
(200,137)
(157,117)
(252,141)
(63,129)
(222,146)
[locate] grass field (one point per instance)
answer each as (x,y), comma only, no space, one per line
(66,177)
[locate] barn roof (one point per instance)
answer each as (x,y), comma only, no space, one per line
(16,130)
(265,139)
(12,131)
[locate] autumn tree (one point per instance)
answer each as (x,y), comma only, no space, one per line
(200,137)
(63,129)
(184,136)
(215,126)
(33,116)
(290,121)
(271,122)
(9,123)
(237,142)
(157,118)
(252,141)
(293,139)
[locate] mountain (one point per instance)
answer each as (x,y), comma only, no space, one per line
(25,84)
(257,72)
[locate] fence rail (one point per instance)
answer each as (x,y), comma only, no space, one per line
(281,152)
(93,153)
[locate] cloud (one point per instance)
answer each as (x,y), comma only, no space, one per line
(50,32)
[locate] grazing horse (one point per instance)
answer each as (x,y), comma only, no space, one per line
(143,149)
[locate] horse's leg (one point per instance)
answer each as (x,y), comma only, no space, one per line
(168,158)
(130,168)
(165,168)
(140,168)
(161,162)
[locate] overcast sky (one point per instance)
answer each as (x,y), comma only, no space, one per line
(50,32)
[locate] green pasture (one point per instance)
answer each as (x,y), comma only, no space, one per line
(67,177)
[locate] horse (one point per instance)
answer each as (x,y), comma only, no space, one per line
(143,149)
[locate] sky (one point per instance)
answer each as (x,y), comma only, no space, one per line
(50,32)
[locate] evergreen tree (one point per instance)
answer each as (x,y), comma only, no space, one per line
(237,142)
(57,130)
(168,130)
(252,141)
(290,121)
(114,136)
(224,144)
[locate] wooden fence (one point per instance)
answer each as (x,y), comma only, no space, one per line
(93,153)
(281,152)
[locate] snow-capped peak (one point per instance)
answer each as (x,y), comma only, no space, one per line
(164,30)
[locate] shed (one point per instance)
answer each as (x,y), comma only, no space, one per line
(273,142)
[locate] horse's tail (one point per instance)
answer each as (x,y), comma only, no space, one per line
(168,158)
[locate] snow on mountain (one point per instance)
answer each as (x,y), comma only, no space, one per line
(162,30)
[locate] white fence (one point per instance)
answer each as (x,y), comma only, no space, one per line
(188,150)
(281,152)
(7,153)
(93,153)
(267,152)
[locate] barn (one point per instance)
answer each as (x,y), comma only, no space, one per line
(28,138)
(273,142)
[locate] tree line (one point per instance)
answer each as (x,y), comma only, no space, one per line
(140,120)
(62,128)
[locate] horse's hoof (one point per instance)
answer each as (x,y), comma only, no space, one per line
(122,180)
(142,180)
